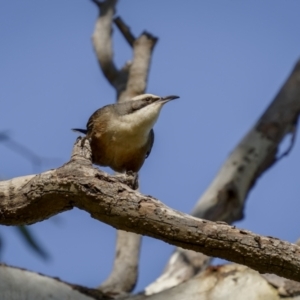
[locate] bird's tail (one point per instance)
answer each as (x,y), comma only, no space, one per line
(84,131)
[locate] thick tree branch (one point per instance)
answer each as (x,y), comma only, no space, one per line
(30,199)
(16,284)
(225,198)
(234,282)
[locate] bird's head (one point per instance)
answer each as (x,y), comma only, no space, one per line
(141,112)
(145,108)
(144,100)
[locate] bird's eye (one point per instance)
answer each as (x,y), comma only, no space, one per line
(148,99)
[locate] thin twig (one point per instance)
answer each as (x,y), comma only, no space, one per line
(125,30)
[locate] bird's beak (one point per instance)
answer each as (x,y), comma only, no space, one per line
(168,98)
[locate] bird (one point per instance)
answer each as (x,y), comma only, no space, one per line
(121,135)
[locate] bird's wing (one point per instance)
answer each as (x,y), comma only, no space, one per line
(95,116)
(90,123)
(150,142)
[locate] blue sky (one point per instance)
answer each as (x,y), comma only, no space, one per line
(226,60)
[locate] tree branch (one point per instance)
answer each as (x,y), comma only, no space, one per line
(131,80)
(30,199)
(125,30)
(102,40)
(225,198)
(139,70)
(217,282)
(126,262)
(18,284)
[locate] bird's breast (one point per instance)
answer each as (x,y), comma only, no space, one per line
(120,145)
(127,134)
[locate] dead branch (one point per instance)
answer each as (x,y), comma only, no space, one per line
(132,78)
(102,40)
(30,199)
(218,282)
(16,283)
(125,30)
(139,70)
(224,200)
(126,262)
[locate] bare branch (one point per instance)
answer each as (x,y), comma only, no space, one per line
(225,198)
(30,199)
(102,39)
(16,283)
(219,282)
(132,79)
(139,70)
(125,30)
(126,262)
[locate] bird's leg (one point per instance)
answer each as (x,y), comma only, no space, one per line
(134,176)
(129,178)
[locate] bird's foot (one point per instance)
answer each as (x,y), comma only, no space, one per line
(129,178)
(134,176)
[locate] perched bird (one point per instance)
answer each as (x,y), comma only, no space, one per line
(121,134)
